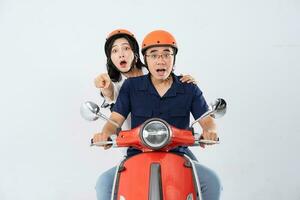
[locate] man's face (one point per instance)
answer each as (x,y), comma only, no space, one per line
(160,61)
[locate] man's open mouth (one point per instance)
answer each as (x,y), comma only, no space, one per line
(160,70)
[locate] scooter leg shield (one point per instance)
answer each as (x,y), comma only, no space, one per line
(156,176)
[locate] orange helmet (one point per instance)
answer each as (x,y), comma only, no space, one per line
(159,38)
(117,34)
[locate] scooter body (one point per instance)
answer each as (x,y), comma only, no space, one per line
(156,174)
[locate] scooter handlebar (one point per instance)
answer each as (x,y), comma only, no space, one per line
(199,140)
(208,142)
(110,141)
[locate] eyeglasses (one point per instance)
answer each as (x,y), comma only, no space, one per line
(164,56)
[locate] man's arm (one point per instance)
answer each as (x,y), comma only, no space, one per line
(109,128)
(209,128)
(119,114)
(199,107)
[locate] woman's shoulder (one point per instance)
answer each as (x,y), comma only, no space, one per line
(137,79)
(135,82)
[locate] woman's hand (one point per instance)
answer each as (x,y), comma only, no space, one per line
(102,81)
(188,79)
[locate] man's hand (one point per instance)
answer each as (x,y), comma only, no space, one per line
(101,137)
(209,135)
(102,81)
(109,129)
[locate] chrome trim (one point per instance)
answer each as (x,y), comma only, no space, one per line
(115,180)
(196,177)
(113,138)
(122,197)
(162,121)
(190,197)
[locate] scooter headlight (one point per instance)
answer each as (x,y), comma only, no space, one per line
(156,133)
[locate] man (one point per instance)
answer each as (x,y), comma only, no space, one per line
(161,94)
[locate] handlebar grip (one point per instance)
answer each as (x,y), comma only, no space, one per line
(202,141)
(201,138)
(92,141)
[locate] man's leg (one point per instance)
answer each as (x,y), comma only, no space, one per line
(209,183)
(104,184)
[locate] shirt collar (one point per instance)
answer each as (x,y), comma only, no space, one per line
(177,86)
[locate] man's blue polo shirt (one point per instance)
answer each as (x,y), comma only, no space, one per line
(139,97)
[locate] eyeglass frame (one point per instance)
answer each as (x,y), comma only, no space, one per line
(160,56)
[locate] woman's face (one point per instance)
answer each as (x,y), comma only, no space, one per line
(122,55)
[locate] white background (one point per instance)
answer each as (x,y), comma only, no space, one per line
(244,51)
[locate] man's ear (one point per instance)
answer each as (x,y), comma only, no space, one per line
(145,61)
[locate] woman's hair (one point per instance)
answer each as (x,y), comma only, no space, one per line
(112,70)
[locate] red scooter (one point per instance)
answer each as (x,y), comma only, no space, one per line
(156,173)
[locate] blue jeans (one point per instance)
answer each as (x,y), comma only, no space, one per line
(209,183)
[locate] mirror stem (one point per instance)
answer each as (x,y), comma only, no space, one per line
(203,116)
(109,120)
